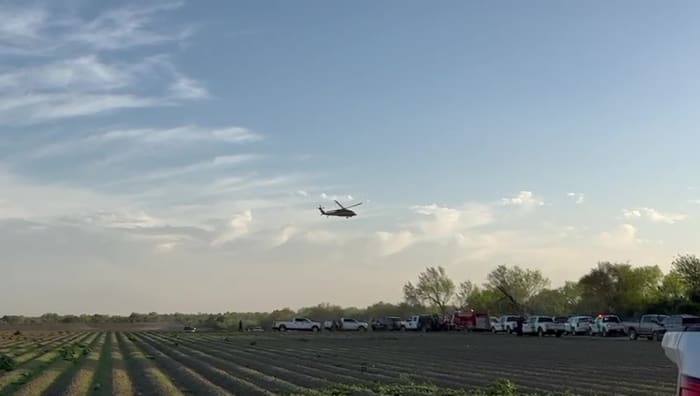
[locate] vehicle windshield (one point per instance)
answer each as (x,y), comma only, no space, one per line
(611,319)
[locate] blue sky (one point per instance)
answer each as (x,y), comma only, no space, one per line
(147,149)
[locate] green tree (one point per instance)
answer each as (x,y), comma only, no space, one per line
(465,293)
(673,286)
(516,284)
(688,268)
(434,288)
(560,301)
(490,300)
(620,288)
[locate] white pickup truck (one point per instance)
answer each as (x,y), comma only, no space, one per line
(541,326)
(607,325)
(579,325)
(683,348)
(345,324)
(297,324)
(506,323)
(412,323)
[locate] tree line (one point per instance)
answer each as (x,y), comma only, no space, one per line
(609,287)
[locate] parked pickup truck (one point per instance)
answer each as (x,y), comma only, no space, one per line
(507,323)
(297,324)
(649,326)
(579,325)
(541,326)
(560,325)
(607,325)
(426,323)
(345,324)
(388,323)
(683,349)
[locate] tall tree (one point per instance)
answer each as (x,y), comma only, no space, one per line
(433,288)
(673,286)
(465,294)
(688,268)
(516,284)
(620,288)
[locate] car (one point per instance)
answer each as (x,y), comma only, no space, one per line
(346,324)
(580,324)
(189,329)
(682,347)
(388,323)
(648,326)
(606,325)
(297,324)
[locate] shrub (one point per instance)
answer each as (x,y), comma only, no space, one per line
(7,363)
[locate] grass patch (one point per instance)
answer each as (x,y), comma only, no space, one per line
(498,388)
(7,363)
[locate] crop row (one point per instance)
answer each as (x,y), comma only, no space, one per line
(214,364)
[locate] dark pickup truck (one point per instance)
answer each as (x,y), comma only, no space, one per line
(649,326)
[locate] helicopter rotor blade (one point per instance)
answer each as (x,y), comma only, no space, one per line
(352,206)
(341,206)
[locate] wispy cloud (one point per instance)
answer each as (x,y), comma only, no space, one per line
(578,198)
(653,215)
(79,81)
(36,29)
(214,163)
(126,27)
(138,137)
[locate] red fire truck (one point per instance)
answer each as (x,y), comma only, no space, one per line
(470,321)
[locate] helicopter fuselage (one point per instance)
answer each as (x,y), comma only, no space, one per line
(339,213)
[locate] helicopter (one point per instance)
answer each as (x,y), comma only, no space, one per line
(344,211)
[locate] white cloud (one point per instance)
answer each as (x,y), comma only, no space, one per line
(694,201)
(652,215)
(524,199)
(622,236)
(577,197)
(302,193)
(444,222)
(394,242)
(435,223)
(236,228)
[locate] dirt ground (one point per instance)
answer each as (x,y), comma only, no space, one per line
(582,365)
(171,363)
